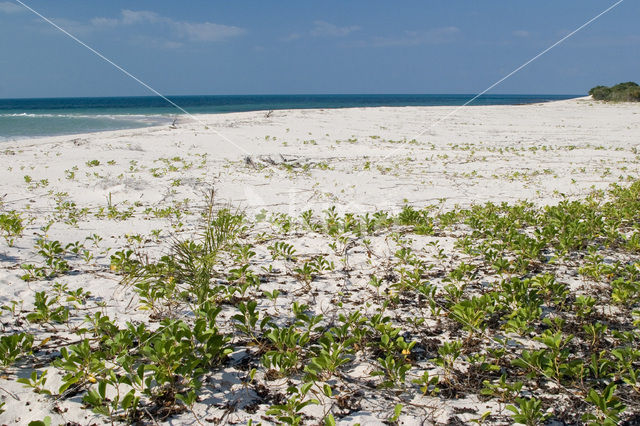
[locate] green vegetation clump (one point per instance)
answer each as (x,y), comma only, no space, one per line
(533,311)
(623,92)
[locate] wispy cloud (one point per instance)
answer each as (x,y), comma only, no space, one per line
(130,17)
(73,26)
(292,37)
(9,7)
(77,28)
(414,38)
(155,42)
(105,22)
(521,33)
(327,29)
(183,30)
(206,31)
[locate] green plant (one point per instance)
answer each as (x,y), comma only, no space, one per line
(502,390)
(397,410)
(87,256)
(48,310)
(280,363)
(448,353)
(82,364)
(600,367)
(309,223)
(54,262)
(95,239)
(36,382)
(272,296)
(70,174)
(393,370)
(178,354)
(329,420)
(12,226)
(584,306)
(13,347)
(632,378)
(291,412)
(117,405)
(480,420)
(241,279)
(428,384)
(96,397)
(287,343)
(45,422)
(32,272)
(282,250)
(330,355)
(622,92)
(471,314)
(284,222)
(558,365)
(248,318)
(123,262)
(595,332)
(528,411)
(222,229)
(306,273)
(608,407)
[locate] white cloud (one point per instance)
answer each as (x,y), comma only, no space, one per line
(154,42)
(291,37)
(414,38)
(185,30)
(172,44)
(74,27)
(326,29)
(104,22)
(9,7)
(130,17)
(205,31)
(521,33)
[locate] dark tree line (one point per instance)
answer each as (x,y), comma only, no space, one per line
(623,92)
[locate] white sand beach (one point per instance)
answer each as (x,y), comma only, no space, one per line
(141,189)
(363,158)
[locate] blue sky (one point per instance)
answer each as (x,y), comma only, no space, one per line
(357,46)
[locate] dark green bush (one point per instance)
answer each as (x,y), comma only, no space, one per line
(622,92)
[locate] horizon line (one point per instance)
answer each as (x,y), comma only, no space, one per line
(292,94)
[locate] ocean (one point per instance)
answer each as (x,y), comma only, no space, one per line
(30,118)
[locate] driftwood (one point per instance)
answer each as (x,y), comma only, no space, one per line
(262,161)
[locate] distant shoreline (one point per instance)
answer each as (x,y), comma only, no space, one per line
(303,95)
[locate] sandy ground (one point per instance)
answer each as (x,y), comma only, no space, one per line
(362,159)
(359,160)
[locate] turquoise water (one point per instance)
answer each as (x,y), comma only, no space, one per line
(28,118)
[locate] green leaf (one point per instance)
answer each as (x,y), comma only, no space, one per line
(128,399)
(513,409)
(67,384)
(329,420)
(305,388)
(45,422)
(327,390)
